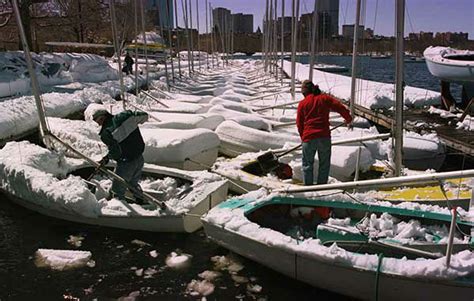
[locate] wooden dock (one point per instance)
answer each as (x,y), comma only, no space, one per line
(418,120)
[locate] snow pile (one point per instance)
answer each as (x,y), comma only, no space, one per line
(38,175)
(162,146)
(51,69)
(183,121)
(388,226)
(178,261)
(62,260)
(200,287)
(237,139)
(165,146)
(20,114)
(373,95)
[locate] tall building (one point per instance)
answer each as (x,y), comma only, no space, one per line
(328,14)
(348,31)
(243,23)
(221,19)
(286,25)
(163,12)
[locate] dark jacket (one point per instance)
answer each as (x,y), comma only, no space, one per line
(312,118)
(128,60)
(122,136)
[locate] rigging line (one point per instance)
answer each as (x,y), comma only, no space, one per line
(376,12)
(407,11)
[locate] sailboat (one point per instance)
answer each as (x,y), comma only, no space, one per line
(49,183)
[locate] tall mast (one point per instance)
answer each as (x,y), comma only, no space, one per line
(354,59)
(282,36)
(191,32)
(177,36)
(118,50)
(170,44)
(399,52)
(166,55)
(207,35)
(34,80)
(144,40)
(185,18)
(211,23)
(313,42)
(135,10)
(199,40)
(294,32)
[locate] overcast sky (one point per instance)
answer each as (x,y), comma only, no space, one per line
(422,15)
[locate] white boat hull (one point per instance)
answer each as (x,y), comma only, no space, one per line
(442,63)
(353,282)
(174,223)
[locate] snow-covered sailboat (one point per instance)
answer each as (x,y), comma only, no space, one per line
(393,252)
(51,184)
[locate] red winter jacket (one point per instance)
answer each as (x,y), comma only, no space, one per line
(312,118)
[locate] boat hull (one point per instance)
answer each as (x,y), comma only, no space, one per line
(451,73)
(174,223)
(449,64)
(334,277)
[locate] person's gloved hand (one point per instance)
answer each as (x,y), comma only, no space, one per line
(104,160)
(349,125)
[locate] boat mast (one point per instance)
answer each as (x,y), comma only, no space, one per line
(191,33)
(207,35)
(313,43)
(144,40)
(166,55)
(295,8)
(34,80)
(177,36)
(282,37)
(354,59)
(118,51)
(198,38)
(185,19)
(170,44)
(211,24)
(399,52)
(135,13)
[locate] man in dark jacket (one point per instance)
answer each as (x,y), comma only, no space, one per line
(128,64)
(125,143)
(312,120)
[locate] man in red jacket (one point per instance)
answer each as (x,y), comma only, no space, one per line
(312,120)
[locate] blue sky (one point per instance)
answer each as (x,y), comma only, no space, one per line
(423,15)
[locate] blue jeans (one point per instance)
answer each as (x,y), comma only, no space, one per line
(131,172)
(323,147)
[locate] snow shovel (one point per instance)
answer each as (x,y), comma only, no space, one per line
(269,161)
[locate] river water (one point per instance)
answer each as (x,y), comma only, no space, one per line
(117,258)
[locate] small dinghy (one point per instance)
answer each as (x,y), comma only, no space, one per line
(56,186)
(450,64)
(393,252)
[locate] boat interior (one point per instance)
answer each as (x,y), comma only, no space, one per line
(151,183)
(460,57)
(361,229)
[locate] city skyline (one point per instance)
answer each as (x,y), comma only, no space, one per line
(438,16)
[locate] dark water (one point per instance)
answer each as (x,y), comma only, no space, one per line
(24,231)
